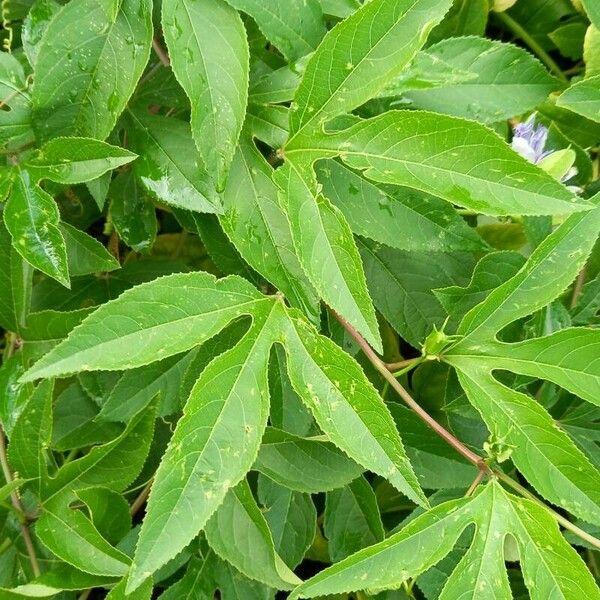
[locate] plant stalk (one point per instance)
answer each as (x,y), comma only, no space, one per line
(473,458)
(16,502)
(160,53)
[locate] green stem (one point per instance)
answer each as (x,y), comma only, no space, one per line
(519,31)
(413,363)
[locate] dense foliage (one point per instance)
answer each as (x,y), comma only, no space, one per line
(300,298)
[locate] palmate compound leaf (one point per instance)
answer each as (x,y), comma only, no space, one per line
(209,54)
(218,438)
(551,568)
(457,160)
(543,453)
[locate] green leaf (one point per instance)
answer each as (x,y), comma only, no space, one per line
(13,394)
(539,281)
(75,160)
(15,116)
(121,336)
(592,10)
(591,44)
(475,78)
(465,17)
(108,511)
(132,213)
(32,218)
(65,577)
(71,536)
(238,533)
(15,285)
(569,39)
(549,563)
(268,123)
(144,592)
(436,465)
(90,59)
(567,358)
(351,519)
(113,465)
(214,445)
(86,254)
(30,437)
(288,412)
(169,166)
(205,577)
(545,455)
(583,98)
(136,388)
(419,545)
(291,517)
(258,227)
(401,285)
(308,465)
(29,590)
(326,249)
(295,28)
(491,272)
(209,53)
(274,86)
(34,26)
(588,304)
(75,423)
(7,489)
(358,57)
(460,161)
(398,217)
(347,407)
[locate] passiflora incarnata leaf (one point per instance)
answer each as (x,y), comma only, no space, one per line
(549,563)
(233,389)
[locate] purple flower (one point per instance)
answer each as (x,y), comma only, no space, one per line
(529,140)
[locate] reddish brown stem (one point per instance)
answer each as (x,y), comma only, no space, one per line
(141,499)
(476,482)
(162,55)
(16,502)
(473,458)
(578,287)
